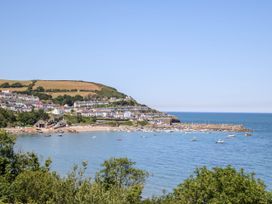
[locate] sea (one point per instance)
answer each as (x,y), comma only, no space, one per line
(169,158)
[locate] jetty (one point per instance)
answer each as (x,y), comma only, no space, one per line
(214,127)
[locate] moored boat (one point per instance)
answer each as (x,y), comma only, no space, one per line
(194,139)
(220,141)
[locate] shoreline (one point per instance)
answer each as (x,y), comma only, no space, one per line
(182,127)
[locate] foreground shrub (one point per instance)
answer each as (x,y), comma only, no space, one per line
(35,186)
(221,185)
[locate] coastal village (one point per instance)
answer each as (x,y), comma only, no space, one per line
(116,114)
(103,109)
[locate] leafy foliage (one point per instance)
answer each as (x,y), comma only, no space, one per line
(119,172)
(221,185)
(125,103)
(42,96)
(30,118)
(8,117)
(39,89)
(142,123)
(66,99)
(5,85)
(109,92)
(14,85)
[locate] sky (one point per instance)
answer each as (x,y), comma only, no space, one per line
(207,56)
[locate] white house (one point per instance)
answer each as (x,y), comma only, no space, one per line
(57,111)
(127,114)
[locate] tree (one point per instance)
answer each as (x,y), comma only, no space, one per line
(5,85)
(13,164)
(42,96)
(39,89)
(221,185)
(6,145)
(78,98)
(120,178)
(30,118)
(121,173)
(67,99)
(6,117)
(16,85)
(34,186)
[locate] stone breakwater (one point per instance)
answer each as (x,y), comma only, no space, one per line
(215,127)
(180,127)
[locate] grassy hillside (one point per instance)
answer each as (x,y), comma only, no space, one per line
(57,88)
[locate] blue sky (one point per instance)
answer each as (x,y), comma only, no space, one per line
(171,55)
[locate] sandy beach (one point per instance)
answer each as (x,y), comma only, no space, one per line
(96,128)
(72,129)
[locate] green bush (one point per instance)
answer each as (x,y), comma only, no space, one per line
(5,85)
(66,99)
(109,92)
(39,89)
(40,95)
(16,85)
(142,123)
(221,185)
(10,118)
(30,118)
(7,118)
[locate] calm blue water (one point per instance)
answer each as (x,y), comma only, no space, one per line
(168,157)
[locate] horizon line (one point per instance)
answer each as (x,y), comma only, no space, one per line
(180,111)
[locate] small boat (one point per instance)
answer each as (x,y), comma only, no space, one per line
(231,136)
(48,135)
(248,134)
(220,141)
(60,135)
(194,139)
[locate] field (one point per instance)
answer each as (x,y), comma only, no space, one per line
(14,89)
(64,87)
(70,93)
(67,85)
(24,83)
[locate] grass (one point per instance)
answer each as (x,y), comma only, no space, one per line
(14,89)
(23,82)
(67,85)
(72,93)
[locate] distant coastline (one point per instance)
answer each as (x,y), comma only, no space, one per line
(52,106)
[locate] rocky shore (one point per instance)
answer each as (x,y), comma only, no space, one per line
(181,127)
